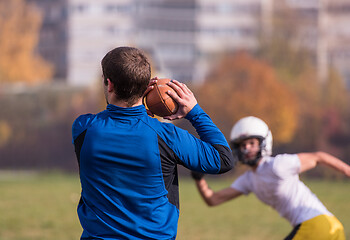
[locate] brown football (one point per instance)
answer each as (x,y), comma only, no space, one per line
(158,101)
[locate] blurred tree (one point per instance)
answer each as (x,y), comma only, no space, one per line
(295,67)
(334,93)
(335,99)
(241,85)
(20,24)
(35,126)
(284,46)
(323,110)
(5,132)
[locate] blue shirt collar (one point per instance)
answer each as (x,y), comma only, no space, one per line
(131,111)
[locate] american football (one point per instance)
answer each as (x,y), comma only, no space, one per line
(158,101)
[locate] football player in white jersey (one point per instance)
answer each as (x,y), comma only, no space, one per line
(275,181)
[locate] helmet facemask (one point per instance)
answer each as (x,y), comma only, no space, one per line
(241,155)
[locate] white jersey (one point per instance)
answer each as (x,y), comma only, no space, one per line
(276,183)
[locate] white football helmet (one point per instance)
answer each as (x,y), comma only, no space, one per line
(251,127)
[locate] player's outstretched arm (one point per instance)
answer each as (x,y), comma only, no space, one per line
(310,160)
(213,198)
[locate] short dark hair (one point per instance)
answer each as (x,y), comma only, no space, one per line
(129,70)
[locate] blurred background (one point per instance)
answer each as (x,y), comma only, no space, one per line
(283,61)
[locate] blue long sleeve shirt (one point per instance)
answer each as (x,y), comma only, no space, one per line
(128,170)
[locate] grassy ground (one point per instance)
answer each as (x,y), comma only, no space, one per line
(39,206)
(246,217)
(43,207)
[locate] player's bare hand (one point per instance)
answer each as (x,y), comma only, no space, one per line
(184,98)
(149,88)
(150,85)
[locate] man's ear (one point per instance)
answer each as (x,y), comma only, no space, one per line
(110,85)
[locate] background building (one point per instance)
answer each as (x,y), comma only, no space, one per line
(94,28)
(183,37)
(337,34)
(167,30)
(53,39)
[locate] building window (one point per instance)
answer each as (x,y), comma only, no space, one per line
(117,8)
(80,8)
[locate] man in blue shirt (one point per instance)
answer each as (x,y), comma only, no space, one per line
(128,160)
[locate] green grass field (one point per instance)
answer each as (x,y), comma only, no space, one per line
(43,207)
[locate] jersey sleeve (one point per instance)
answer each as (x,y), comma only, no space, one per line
(243,184)
(210,153)
(80,125)
(205,127)
(286,165)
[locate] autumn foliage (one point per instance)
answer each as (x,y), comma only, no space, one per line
(20,24)
(241,85)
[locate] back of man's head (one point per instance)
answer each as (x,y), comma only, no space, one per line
(129,70)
